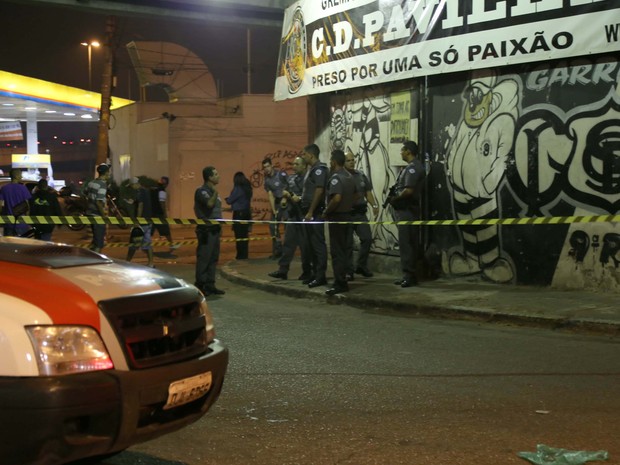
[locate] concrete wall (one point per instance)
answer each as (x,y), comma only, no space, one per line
(231,134)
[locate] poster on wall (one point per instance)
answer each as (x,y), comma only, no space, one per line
(331,45)
(403,123)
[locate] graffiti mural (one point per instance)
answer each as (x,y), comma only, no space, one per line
(543,141)
(475,166)
(532,140)
(362,127)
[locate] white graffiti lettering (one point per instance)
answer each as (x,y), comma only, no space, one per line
(572,74)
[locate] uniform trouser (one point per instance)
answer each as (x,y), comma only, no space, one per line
(207,255)
(408,238)
(274,230)
(364,234)
(340,245)
(316,249)
(293,238)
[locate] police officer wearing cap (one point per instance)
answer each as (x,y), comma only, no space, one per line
(406,205)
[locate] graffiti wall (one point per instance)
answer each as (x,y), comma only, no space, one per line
(539,141)
(536,140)
(373,126)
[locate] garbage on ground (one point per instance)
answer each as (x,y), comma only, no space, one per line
(546,455)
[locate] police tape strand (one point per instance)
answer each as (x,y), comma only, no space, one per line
(127,221)
(176,243)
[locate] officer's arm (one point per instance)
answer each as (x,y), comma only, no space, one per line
(370,197)
(334,201)
(272,202)
(405,194)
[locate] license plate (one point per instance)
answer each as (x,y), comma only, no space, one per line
(186,390)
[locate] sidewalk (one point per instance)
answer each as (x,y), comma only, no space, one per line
(464,298)
(449,298)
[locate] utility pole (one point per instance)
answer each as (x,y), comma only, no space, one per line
(106,91)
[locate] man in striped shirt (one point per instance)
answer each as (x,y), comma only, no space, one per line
(96,196)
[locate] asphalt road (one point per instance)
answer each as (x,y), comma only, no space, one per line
(311,383)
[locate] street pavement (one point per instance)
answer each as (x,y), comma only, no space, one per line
(462,298)
(468,298)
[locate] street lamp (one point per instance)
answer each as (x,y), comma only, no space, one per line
(90,45)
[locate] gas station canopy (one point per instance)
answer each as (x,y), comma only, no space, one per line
(24,98)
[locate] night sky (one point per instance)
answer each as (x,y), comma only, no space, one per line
(44,42)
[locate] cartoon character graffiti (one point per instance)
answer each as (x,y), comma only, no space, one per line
(356,128)
(477,155)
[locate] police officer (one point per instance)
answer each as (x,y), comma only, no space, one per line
(341,194)
(275,182)
(293,234)
(208,206)
(312,205)
(406,205)
(359,215)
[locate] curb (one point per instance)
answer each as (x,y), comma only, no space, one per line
(449,312)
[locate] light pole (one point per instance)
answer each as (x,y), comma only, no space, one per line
(90,45)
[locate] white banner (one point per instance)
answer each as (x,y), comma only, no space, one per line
(363,42)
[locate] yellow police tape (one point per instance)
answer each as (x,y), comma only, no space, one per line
(175,243)
(127,221)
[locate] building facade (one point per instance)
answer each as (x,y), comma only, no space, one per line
(516,111)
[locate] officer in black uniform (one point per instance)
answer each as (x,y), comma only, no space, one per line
(341,194)
(406,205)
(275,182)
(208,206)
(312,206)
(359,215)
(293,234)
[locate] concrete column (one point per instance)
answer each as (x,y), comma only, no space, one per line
(32,136)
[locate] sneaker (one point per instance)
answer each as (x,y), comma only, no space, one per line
(175,246)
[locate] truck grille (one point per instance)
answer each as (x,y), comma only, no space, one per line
(159,327)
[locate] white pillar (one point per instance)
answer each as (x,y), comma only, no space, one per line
(31,132)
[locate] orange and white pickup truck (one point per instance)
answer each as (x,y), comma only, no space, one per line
(97,354)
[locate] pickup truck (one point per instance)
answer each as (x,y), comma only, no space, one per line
(96,354)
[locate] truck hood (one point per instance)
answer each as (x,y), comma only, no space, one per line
(67,282)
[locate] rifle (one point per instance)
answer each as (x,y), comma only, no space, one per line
(390,196)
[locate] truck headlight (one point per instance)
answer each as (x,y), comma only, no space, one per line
(62,350)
